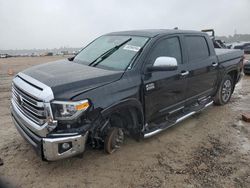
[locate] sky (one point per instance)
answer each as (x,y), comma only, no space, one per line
(29,24)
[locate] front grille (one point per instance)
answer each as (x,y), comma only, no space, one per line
(33,108)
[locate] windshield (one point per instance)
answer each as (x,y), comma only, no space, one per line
(119,59)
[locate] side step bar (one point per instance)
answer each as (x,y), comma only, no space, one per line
(150,134)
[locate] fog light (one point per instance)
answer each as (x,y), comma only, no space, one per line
(62,147)
(65,146)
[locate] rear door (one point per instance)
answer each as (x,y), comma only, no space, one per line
(202,66)
(164,90)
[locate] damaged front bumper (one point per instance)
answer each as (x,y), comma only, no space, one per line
(53,148)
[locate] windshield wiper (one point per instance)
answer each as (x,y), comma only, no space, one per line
(108,53)
(133,58)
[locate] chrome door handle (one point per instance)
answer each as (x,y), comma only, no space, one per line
(214,64)
(184,73)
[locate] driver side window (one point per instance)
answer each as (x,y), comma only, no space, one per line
(169,47)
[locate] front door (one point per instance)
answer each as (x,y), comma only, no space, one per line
(164,90)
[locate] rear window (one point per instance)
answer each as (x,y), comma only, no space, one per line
(197,48)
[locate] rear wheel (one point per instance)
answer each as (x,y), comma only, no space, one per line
(225,91)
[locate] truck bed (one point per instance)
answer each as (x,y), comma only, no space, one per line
(228,54)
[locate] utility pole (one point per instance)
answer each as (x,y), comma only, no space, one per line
(235,32)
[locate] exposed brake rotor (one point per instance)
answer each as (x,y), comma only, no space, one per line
(113,140)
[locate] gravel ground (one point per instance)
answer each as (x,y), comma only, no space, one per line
(210,149)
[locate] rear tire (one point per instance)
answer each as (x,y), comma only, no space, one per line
(225,91)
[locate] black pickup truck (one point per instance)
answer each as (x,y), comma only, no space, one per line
(131,83)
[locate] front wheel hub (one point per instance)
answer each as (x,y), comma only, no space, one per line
(113,140)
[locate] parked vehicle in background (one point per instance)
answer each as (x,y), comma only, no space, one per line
(247,67)
(243,46)
(246,48)
(131,83)
(4,55)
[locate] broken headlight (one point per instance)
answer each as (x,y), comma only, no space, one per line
(68,110)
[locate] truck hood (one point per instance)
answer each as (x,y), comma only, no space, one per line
(68,79)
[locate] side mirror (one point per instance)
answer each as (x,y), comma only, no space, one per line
(71,58)
(164,64)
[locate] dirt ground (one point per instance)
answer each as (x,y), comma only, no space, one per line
(210,149)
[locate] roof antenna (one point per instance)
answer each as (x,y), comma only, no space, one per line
(176,28)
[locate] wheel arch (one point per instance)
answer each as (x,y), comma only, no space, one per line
(234,75)
(135,109)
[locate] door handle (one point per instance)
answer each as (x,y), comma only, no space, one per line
(184,73)
(214,64)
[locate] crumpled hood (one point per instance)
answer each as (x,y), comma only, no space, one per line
(68,79)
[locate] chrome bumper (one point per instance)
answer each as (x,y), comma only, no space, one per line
(48,148)
(51,147)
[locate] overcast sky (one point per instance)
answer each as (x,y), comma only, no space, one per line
(73,23)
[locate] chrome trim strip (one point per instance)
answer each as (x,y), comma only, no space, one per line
(64,134)
(152,133)
(184,73)
(39,113)
(29,115)
(37,129)
(175,110)
(19,83)
(209,104)
(24,86)
(30,110)
(185,117)
(26,97)
(47,93)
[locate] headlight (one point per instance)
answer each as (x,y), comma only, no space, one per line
(63,110)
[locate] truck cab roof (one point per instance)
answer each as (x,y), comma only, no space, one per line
(154,32)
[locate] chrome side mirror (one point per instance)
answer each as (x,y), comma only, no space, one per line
(164,64)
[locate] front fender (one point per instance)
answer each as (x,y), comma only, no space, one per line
(127,103)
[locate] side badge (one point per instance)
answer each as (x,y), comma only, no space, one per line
(150,86)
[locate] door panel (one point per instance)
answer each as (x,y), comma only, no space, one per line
(167,90)
(164,90)
(202,78)
(202,67)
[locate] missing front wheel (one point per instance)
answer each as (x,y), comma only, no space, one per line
(113,140)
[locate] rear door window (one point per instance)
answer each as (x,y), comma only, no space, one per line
(197,48)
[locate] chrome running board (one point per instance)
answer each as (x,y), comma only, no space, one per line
(157,131)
